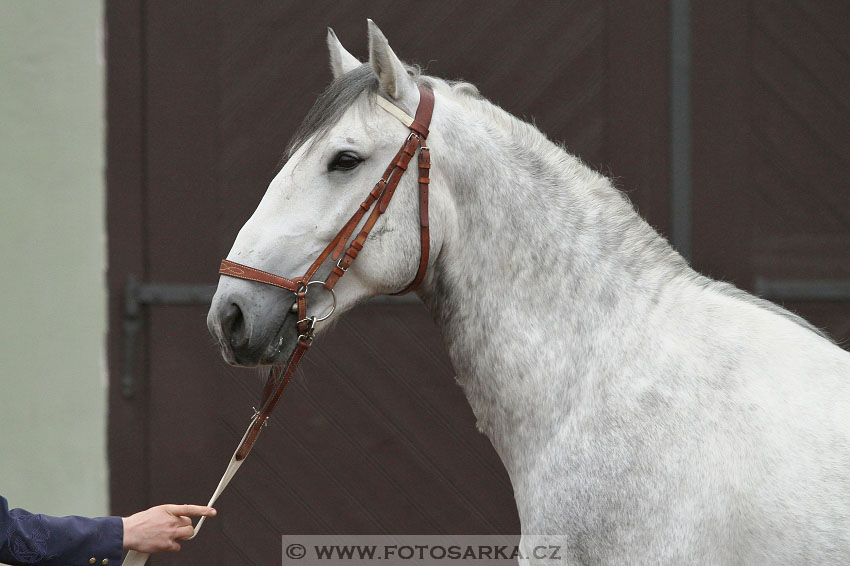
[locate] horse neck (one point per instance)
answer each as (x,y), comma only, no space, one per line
(543,272)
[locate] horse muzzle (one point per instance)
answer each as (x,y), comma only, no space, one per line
(251,333)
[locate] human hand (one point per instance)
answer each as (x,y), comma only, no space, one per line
(159,528)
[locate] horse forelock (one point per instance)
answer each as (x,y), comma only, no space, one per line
(331,105)
(343,92)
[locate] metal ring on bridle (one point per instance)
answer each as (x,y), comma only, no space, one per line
(333,297)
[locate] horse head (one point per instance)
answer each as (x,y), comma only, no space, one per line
(341,150)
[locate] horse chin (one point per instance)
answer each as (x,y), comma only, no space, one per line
(280,349)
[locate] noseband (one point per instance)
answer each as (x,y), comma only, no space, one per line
(376,201)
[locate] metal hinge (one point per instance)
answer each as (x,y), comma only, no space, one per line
(826,290)
(137,295)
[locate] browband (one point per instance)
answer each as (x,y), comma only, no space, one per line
(402,116)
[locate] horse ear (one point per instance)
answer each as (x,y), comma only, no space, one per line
(393,79)
(341,60)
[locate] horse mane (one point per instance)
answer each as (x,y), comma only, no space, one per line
(346,89)
(730,290)
(531,138)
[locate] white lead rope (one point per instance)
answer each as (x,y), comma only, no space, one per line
(135,558)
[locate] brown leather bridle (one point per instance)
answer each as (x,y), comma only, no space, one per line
(377,201)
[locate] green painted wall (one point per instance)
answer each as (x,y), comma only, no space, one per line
(52,257)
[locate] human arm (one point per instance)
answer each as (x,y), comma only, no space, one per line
(27,538)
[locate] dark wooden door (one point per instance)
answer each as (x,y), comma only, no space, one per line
(204,96)
(202,100)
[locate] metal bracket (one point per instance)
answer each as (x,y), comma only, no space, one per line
(137,295)
(825,290)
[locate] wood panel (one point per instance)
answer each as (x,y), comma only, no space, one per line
(384,442)
(801,141)
(801,150)
(771,98)
(125,176)
(722,214)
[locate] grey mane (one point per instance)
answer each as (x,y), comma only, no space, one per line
(346,89)
(732,291)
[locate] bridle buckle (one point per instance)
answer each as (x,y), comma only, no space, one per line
(307,335)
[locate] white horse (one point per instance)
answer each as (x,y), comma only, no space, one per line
(645,414)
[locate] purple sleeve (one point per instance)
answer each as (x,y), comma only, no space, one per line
(26,538)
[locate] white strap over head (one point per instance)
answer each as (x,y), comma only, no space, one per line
(402,116)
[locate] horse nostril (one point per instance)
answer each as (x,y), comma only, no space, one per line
(233,324)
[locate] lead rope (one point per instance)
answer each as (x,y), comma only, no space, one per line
(275,384)
(379,197)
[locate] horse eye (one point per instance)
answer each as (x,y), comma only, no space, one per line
(344,161)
